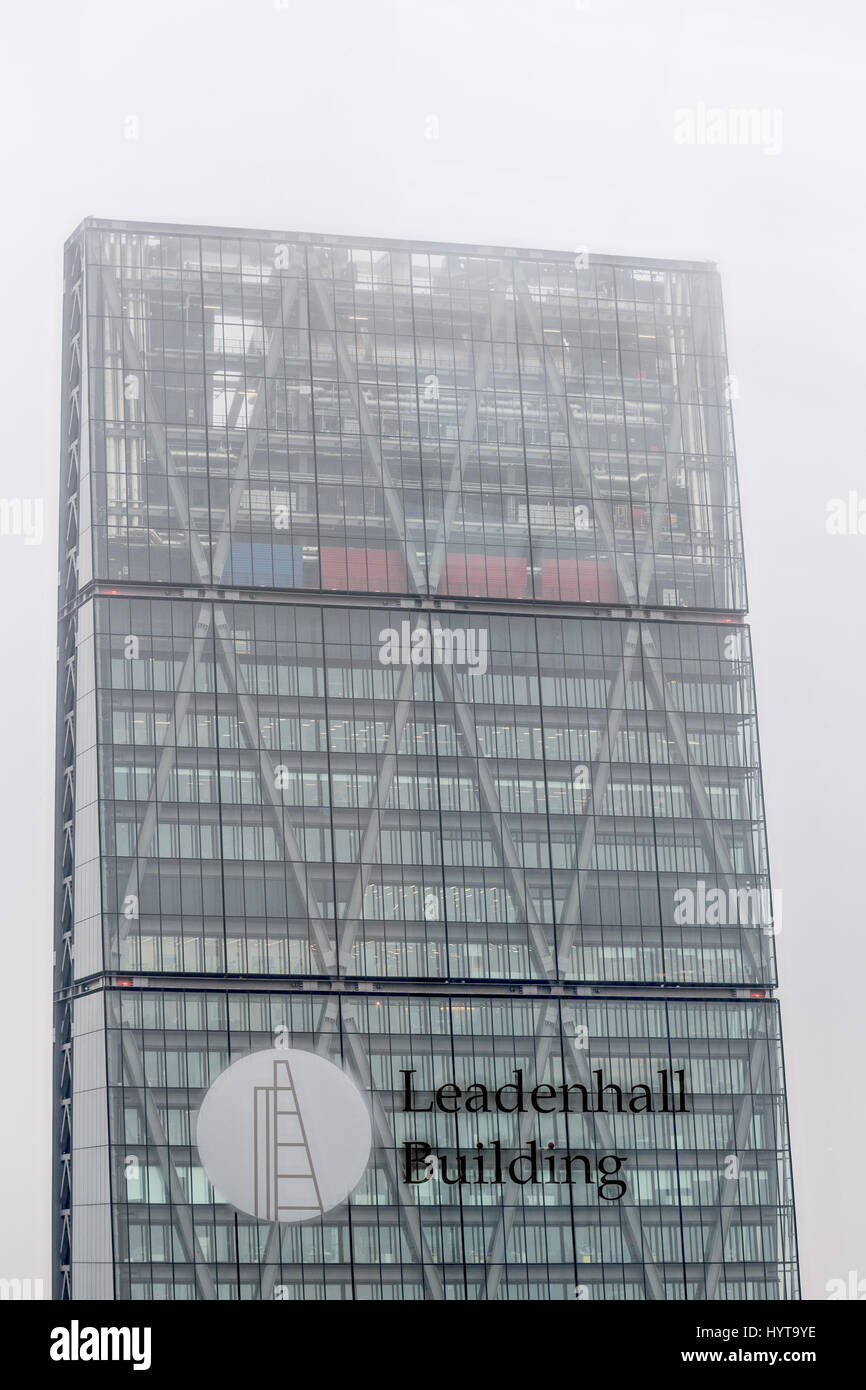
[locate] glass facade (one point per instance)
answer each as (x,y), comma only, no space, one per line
(405,711)
(455,422)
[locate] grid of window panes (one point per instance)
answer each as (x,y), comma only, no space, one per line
(276,800)
(707,1211)
(293,414)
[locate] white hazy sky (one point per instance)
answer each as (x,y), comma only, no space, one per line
(556,128)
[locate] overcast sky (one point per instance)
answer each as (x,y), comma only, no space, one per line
(539,123)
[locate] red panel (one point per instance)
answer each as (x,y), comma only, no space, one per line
(485,576)
(386,570)
(356,569)
(579,581)
(559,580)
(333,567)
(597,582)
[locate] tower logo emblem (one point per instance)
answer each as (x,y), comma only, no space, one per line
(284,1135)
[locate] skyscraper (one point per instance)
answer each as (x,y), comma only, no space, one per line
(406,718)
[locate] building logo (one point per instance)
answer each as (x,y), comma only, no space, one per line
(284,1135)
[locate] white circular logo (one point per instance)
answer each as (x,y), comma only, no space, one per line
(284,1135)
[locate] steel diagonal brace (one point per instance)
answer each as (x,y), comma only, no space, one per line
(157,1141)
(727,1201)
(385,1140)
(240,474)
(507,1212)
(568,920)
(557,394)
(627,1205)
(555,380)
(687,383)
(655,684)
(718,850)
(369,440)
(568,924)
(546,1036)
(387,772)
(167,759)
(652,665)
(467,431)
(227,657)
(154,423)
(502,836)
